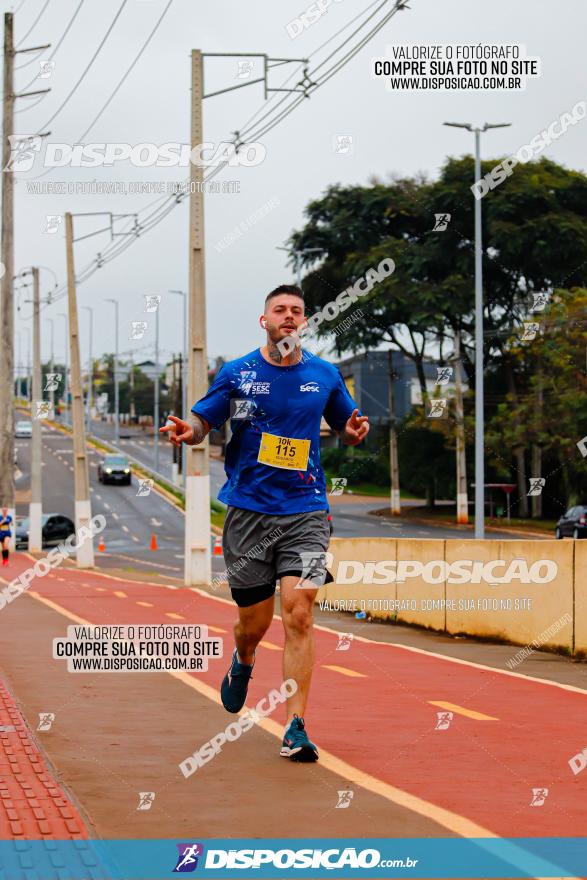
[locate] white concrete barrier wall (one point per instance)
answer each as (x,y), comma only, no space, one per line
(522,591)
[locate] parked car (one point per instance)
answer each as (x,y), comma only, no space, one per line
(23,429)
(54,528)
(573,523)
(114,469)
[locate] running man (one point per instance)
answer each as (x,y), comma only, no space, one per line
(5,534)
(276,525)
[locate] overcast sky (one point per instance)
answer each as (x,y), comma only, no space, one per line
(398,133)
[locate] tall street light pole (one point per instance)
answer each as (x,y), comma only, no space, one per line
(479,390)
(51,367)
(90,397)
(66,368)
(298,255)
(36,503)
(156,393)
(116,379)
(16,380)
(184,372)
(27,330)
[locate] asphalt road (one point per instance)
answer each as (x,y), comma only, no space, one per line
(131,519)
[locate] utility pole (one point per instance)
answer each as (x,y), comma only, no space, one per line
(36,502)
(7,307)
(83,507)
(116,386)
(197,561)
(6,285)
(395,501)
(156,394)
(462,495)
(90,395)
(197,475)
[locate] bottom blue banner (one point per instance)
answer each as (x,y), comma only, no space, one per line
(304,858)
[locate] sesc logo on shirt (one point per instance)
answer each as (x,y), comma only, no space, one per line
(248,384)
(310,386)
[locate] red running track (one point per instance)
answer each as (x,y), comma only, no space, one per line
(380,719)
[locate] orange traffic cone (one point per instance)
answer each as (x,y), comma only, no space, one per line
(154,542)
(218,546)
(101,545)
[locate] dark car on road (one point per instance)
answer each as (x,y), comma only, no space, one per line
(573,523)
(54,528)
(114,469)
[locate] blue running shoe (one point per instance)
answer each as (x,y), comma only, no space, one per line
(233,690)
(296,744)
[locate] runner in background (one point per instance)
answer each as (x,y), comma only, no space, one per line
(276,525)
(5,534)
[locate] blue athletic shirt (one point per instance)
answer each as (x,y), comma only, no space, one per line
(284,401)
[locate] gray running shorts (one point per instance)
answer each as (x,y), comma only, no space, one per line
(260,548)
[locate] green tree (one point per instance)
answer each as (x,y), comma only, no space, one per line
(551,404)
(535,239)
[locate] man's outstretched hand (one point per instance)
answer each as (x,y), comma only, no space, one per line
(178,431)
(355,430)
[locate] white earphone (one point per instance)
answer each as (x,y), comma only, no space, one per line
(264,324)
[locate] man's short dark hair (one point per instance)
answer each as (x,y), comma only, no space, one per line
(292,289)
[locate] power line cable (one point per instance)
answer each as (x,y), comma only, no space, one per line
(122,81)
(115,249)
(88,66)
(20,42)
(56,49)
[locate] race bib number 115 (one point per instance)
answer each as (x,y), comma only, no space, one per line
(284,452)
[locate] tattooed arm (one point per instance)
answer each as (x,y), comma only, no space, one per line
(191,432)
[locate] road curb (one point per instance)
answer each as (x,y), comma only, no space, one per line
(452,525)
